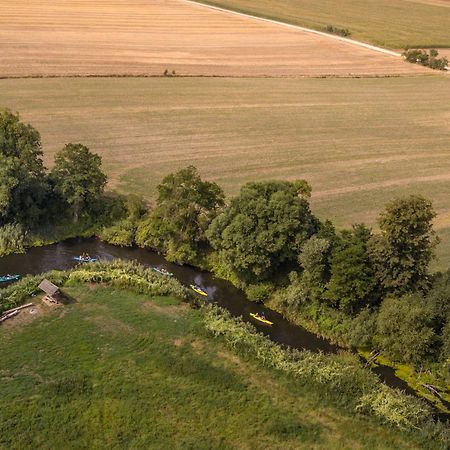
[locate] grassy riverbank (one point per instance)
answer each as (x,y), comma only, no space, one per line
(339,329)
(118,368)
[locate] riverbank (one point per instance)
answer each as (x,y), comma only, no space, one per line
(339,329)
(60,257)
(134,334)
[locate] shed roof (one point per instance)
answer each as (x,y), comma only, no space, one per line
(48,287)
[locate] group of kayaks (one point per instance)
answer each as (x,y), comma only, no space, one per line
(162,271)
(196,288)
(200,291)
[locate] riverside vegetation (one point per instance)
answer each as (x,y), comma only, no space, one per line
(364,289)
(209,387)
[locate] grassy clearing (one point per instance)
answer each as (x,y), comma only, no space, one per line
(389,23)
(121,370)
(359,142)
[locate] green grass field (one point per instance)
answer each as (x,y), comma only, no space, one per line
(117,370)
(389,23)
(359,142)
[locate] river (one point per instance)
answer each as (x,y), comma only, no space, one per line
(60,256)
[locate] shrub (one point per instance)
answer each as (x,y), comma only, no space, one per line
(259,292)
(13,239)
(395,407)
(405,329)
(418,56)
(121,234)
(344,32)
(363,328)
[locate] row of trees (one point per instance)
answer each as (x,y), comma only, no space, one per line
(268,240)
(31,196)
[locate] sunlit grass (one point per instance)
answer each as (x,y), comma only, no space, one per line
(118,370)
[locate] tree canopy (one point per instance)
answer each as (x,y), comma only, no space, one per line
(264,227)
(23,182)
(402,252)
(78,178)
(185,207)
(352,281)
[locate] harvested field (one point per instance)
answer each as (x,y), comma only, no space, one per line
(359,142)
(389,23)
(140,37)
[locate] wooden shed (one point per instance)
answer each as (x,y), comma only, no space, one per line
(53,294)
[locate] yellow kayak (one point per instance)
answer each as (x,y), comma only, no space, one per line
(199,290)
(261,319)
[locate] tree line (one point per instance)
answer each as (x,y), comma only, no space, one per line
(368,289)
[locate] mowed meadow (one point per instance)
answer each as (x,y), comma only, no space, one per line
(389,23)
(120,370)
(359,142)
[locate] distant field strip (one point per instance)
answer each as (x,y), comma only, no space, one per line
(359,142)
(146,37)
(388,23)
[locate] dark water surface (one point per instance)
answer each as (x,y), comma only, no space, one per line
(60,256)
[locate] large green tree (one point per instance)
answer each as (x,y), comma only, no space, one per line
(264,227)
(402,252)
(185,207)
(78,178)
(352,283)
(23,182)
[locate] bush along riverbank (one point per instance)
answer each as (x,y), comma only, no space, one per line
(340,378)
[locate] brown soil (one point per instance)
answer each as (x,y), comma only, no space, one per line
(146,37)
(27,316)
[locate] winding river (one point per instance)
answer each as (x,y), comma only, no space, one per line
(59,256)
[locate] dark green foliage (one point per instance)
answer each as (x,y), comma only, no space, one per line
(344,32)
(352,284)
(264,227)
(438,299)
(123,232)
(314,259)
(185,207)
(23,184)
(260,292)
(402,252)
(78,178)
(405,329)
(363,329)
(13,239)
(445,340)
(424,58)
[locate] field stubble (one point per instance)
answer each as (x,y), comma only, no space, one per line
(140,37)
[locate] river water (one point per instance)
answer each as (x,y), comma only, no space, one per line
(60,256)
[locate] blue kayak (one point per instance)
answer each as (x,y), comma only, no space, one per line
(81,259)
(9,278)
